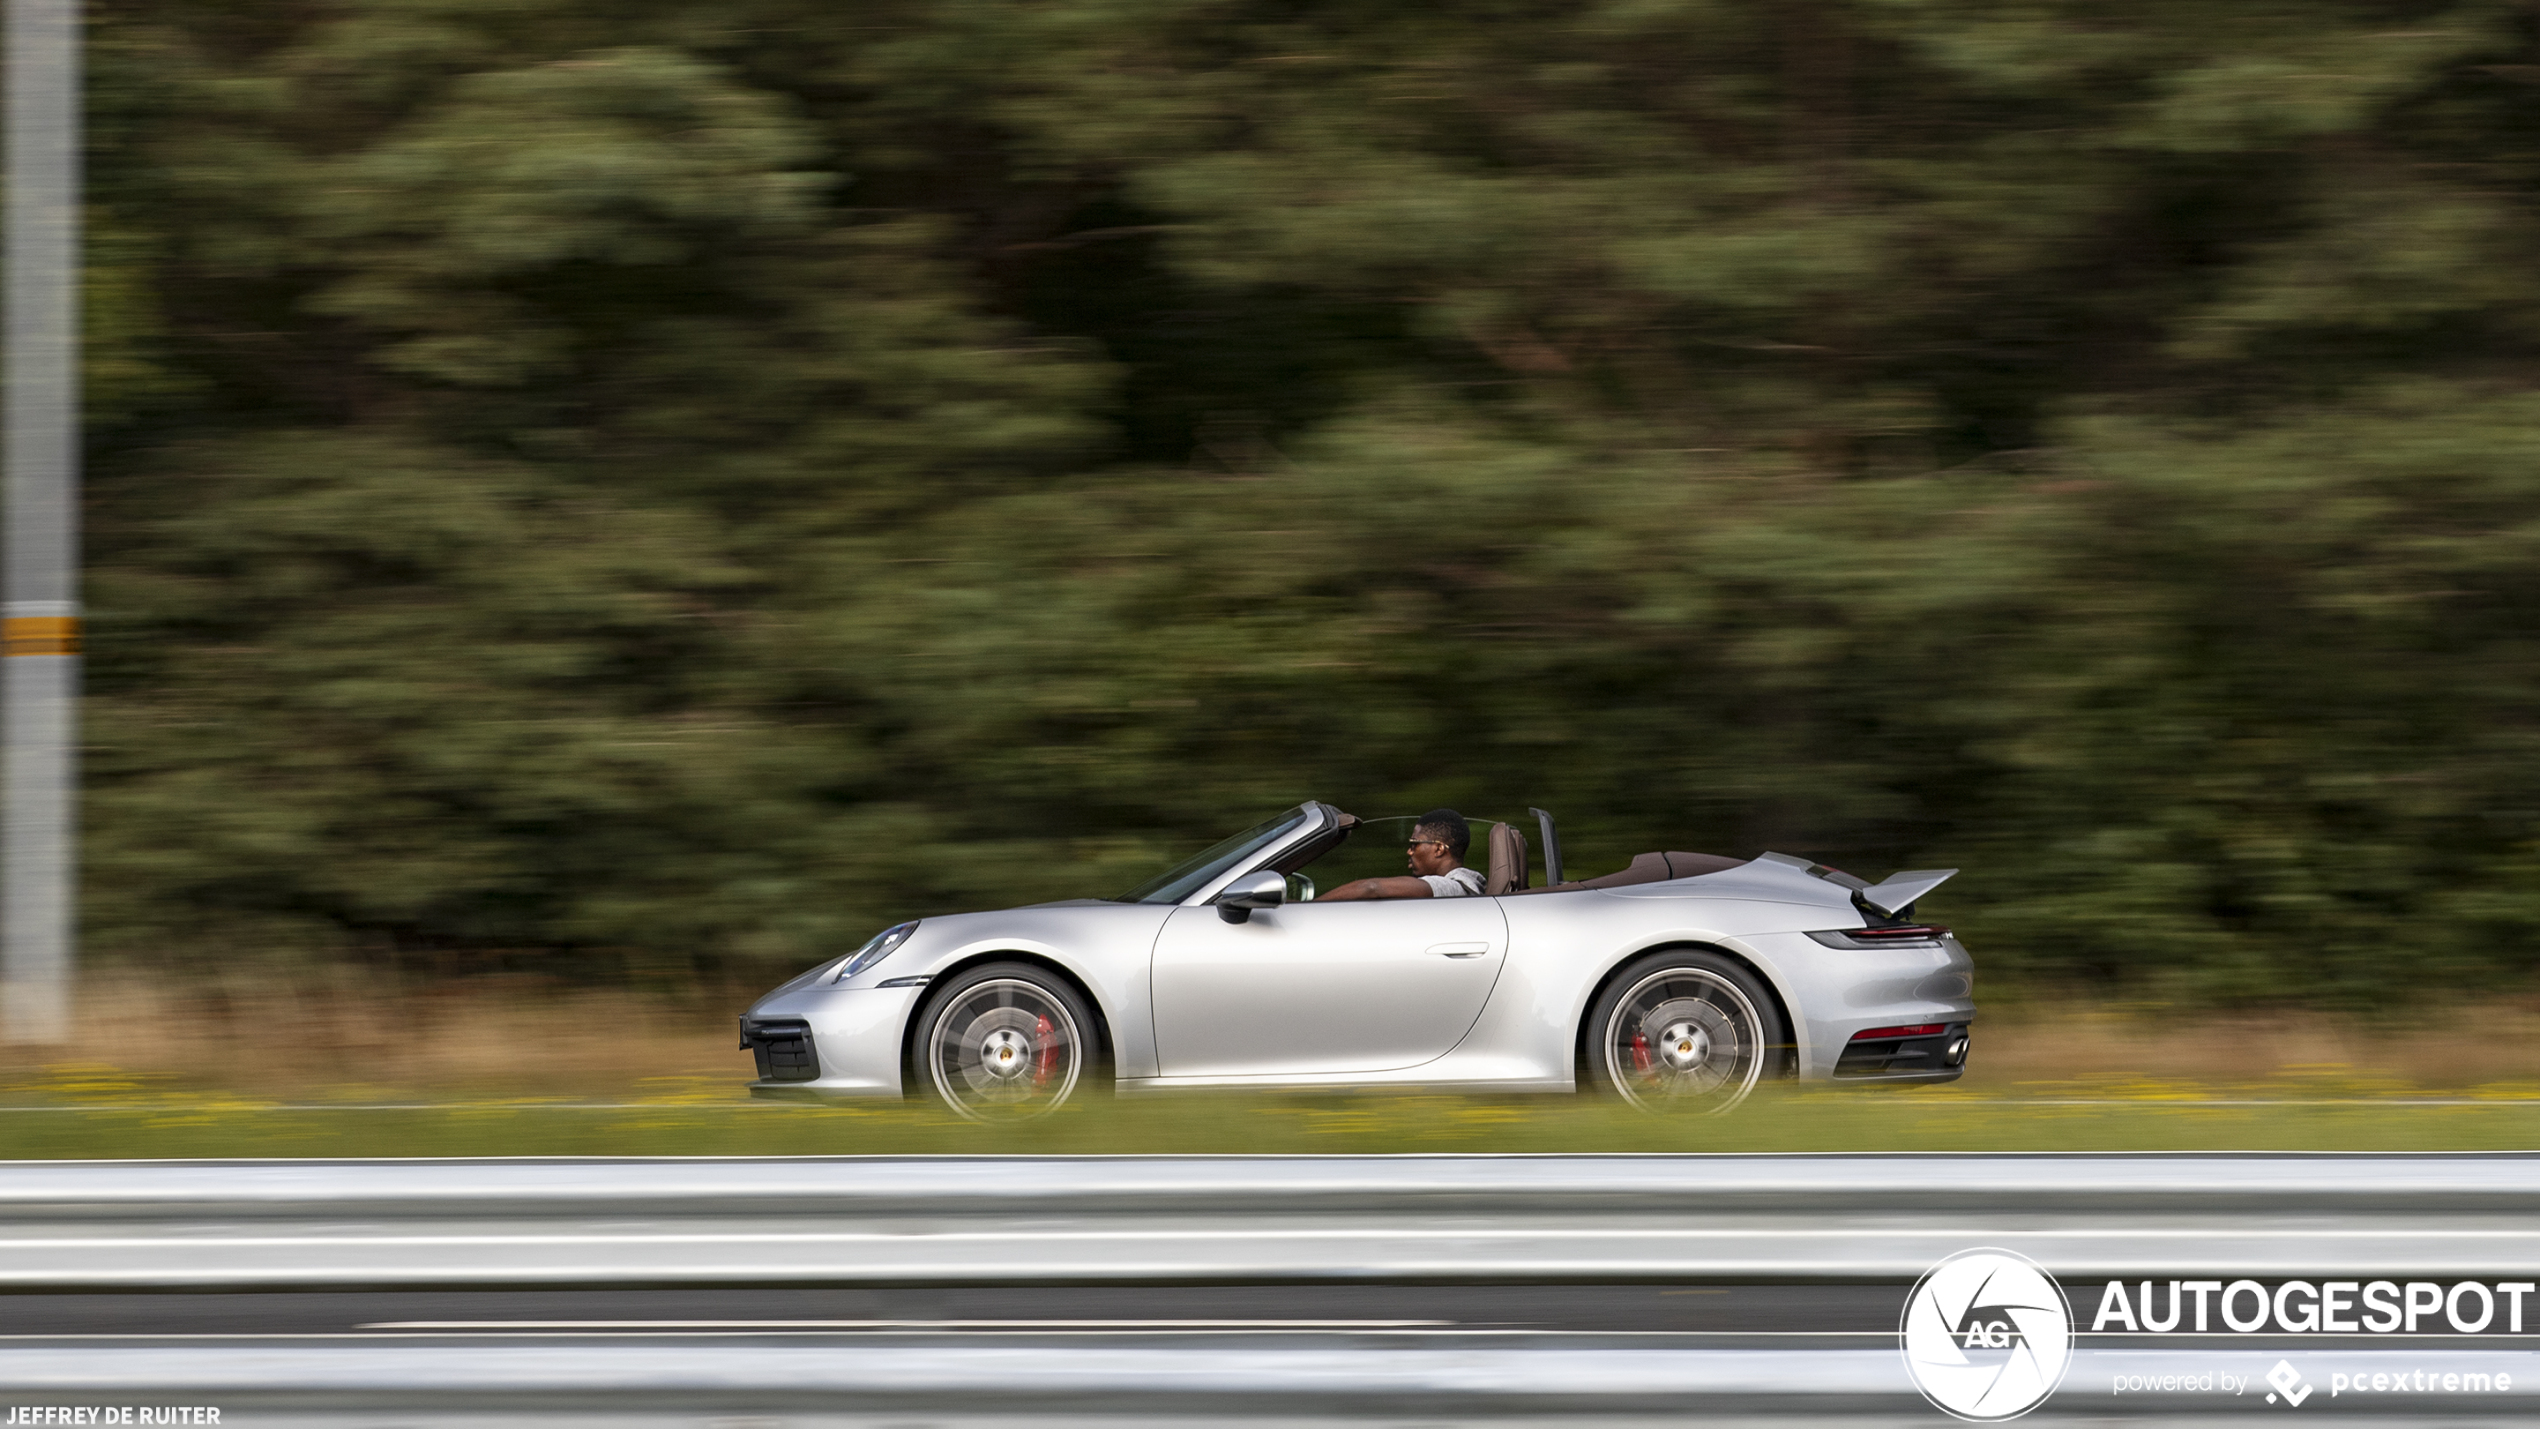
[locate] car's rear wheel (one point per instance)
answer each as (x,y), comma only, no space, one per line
(1684,1032)
(1004,1042)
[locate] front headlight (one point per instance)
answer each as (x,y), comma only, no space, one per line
(875,951)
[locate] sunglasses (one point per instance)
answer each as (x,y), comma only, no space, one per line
(1441,843)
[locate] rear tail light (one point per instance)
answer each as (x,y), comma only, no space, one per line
(1891,935)
(1919,1029)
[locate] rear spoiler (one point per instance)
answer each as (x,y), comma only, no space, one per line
(1889,899)
(1898,893)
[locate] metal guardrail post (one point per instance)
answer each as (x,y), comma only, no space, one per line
(39,678)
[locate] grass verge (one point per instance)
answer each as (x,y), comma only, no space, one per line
(240,1066)
(1253,1124)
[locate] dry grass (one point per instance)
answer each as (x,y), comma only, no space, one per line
(336,1037)
(2456,1048)
(262,1066)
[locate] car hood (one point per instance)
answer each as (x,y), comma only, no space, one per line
(1054,924)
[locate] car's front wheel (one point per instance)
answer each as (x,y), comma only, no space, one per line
(1004,1042)
(1684,1031)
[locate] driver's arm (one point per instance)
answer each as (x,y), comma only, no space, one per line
(1378,888)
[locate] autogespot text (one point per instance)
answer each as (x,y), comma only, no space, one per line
(2304,1307)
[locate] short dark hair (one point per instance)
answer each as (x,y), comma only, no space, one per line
(1448,825)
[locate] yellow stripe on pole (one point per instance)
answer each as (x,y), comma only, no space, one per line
(40,634)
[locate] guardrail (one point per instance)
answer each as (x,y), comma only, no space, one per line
(1060,1221)
(770,1221)
(1100,1386)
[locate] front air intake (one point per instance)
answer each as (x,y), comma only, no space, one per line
(783,1048)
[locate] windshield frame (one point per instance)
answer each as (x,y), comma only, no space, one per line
(1201,874)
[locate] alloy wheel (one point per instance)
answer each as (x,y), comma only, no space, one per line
(1005,1049)
(1684,1039)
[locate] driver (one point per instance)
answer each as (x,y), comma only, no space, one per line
(1438,843)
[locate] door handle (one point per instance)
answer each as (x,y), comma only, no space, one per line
(1460,950)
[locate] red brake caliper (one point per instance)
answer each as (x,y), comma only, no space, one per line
(1640,1051)
(1042,1033)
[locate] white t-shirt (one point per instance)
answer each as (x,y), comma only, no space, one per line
(1461,883)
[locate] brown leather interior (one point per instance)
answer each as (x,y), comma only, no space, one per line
(1649,868)
(1507,861)
(1694,865)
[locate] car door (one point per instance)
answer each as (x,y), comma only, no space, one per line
(1322,987)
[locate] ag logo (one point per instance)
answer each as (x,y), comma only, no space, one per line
(1987,1335)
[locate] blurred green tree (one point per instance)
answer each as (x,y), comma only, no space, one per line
(702,483)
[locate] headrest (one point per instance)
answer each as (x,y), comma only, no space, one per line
(1507,861)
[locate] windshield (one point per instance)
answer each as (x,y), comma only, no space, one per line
(1177,883)
(1376,848)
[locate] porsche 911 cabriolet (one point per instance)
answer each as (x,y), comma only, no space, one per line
(1679,983)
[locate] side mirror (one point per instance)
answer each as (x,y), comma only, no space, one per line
(1254,890)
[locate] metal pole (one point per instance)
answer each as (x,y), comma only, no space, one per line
(39,676)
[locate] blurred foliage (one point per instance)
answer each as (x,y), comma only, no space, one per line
(696,483)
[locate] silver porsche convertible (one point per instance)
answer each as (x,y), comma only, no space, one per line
(1679,983)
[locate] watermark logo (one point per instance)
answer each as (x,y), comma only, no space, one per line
(1987,1335)
(2284,1377)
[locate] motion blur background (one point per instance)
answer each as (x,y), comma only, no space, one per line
(640,495)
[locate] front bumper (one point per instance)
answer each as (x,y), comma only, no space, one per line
(825,1044)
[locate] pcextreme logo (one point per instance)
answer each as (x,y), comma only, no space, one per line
(2288,1383)
(1987,1335)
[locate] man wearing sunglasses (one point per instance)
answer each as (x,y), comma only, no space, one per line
(1438,843)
